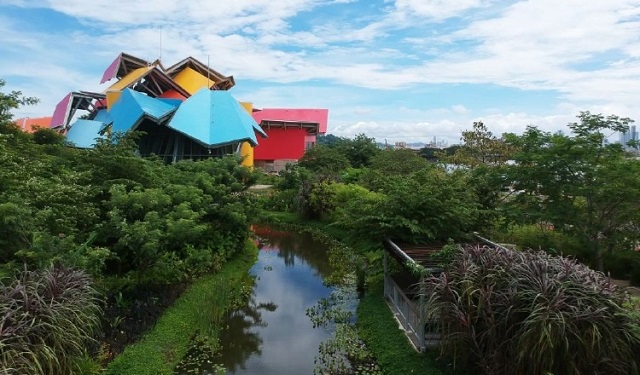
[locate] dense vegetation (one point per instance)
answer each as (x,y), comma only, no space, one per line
(101,231)
(133,229)
(48,319)
(199,314)
(566,194)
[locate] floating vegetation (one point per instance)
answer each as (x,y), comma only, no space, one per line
(200,358)
(337,309)
(344,353)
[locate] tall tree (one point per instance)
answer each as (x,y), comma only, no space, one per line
(360,151)
(324,160)
(483,158)
(480,147)
(579,183)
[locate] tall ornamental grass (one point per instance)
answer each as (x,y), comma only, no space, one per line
(508,312)
(47,318)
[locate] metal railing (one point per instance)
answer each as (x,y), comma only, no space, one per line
(406,311)
(409,316)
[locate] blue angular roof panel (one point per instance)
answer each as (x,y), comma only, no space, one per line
(83,133)
(171,101)
(215,118)
(157,109)
(125,113)
(103,116)
(132,106)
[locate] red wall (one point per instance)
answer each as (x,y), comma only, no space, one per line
(281,144)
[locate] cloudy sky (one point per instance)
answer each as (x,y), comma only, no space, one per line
(396,70)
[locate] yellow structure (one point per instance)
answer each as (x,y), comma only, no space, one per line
(192,81)
(112,97)
(246,151)
(114,91)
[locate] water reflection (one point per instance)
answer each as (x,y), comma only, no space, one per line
(239,341)
(291,246)
(272,334)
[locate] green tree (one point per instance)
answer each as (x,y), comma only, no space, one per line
(480,147)
(360,151)
(390,163)
(398,162)
(46,136)
(324,160)
(579,183)
(329,140)
(427,205)
(11,101)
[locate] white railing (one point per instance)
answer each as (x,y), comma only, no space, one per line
(408,314)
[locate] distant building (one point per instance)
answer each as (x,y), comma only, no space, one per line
(631,135)
(290,132)
(185,112)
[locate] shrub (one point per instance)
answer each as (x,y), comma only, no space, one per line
(509,312)
(47,318)
(623,264)
(539,237)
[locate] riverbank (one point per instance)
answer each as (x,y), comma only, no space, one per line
(165,345)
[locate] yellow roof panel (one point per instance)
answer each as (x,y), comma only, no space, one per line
(130,78)
(192,81)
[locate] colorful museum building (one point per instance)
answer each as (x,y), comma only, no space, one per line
(185,112)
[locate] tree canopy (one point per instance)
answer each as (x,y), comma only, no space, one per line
(578,182)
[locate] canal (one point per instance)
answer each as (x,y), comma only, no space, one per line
(272,334)
(271,328)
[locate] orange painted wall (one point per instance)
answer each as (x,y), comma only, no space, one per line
(30,125)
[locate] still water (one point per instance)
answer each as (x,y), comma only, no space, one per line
(271,334)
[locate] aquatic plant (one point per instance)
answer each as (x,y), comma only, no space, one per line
(344,353)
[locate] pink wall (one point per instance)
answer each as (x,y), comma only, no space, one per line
(319,116)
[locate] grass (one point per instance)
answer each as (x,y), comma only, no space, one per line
(509,312)
(379,330)
(164,346)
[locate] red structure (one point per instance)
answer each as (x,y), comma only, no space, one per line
(290,132)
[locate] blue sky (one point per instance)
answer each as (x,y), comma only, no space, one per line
(396,70)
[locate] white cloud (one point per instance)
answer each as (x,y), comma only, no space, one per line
(588,53)
(438,9)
